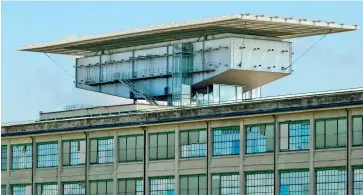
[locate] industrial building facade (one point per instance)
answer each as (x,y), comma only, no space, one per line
(309,144)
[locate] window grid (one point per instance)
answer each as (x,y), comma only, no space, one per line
(226,141)
(162,151)
(358,131)
(104,187)
(130,186)
(330,181)
(225,184)
(22,156)
(358,181)
(3,190)
(131,148)
(330,137)
(47,189)
(4,163)
(47,154)
(193,143)
(103,150)
(74,152)
(74,188)
(260,183)
(162,185)
(259,138)
(298,136)
(193,185)
(294,182)
(20,189)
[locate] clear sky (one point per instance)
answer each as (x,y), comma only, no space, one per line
(31,82)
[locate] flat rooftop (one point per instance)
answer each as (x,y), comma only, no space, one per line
(264,106)
(247,24)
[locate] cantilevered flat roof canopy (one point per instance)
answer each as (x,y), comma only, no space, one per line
(237,24)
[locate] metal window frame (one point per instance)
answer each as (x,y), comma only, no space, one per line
(258,125)
(224,174)
(45,183)
(157,145)
(44,143)
(69,154)
(127,136)
(337,124)
(195,175)
(130,179)
(357,116)
(19,185)
(325,169)
(353,181)
(161,177)
(288,133)
(97,151)
(188,131)
(96,181)
(73,182)
(259,172)
(306,170)
(224,128)
(12,156)
(4,159)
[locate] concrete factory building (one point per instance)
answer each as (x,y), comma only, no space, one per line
(205,129)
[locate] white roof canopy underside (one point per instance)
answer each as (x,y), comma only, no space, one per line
(268,26)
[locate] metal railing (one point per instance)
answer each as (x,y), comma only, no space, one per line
(309,94)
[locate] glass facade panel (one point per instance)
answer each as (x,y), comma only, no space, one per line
(130,187)
(294,183)
(357,130)
(294,136)
(162,186)
(3,190)
(331,181)
(259,138)
(357,181)
(193,185)
(101,187)
(4,151)
(47,155)
(260,183)
(226,141)
(21,189)
(74,188)
(162,146)
(331,133)
(74,152)
(193,143)
(131,148)
(225,184)
(46,189)
(101,150)
(22,156)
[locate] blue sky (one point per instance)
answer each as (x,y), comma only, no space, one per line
(31,82)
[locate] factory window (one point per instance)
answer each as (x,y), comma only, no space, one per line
(46,189)
(22,156)
(193,185)
(4,157)
(330,133)
(162,146)
(223,184)
(294,183)
(130,186)
(21,189)
(193,143)
(162,185)
(259,138)
(74,152)
(74,188)
(47,154)
(358,181)
(101,150)
(226,141)
(131,148)
(3,190)
(294,136)
(331,181)
(358,131)
(104,187)
(260,183)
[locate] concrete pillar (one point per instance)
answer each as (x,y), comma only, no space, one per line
(311,156)
(115,162)
(8,168)
(60,165)
(34,165)
(276,156)
(146,145)
(177,159)
(210,154)
(88,152)
(349,152)
(242,153)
